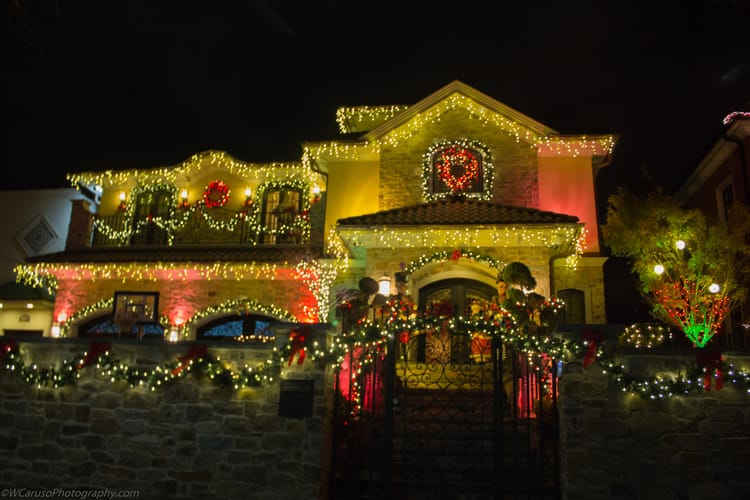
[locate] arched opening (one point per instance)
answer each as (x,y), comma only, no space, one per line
(455,296)
(250,327)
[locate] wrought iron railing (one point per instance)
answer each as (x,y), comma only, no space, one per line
(121,230)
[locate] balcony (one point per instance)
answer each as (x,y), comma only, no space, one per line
(223,227)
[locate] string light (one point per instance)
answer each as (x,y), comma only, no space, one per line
(365,118)
(557,145)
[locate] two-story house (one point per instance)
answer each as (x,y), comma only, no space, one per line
(446,191)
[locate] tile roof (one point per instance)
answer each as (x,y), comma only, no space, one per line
(458,211)
(266,253)
(18,291)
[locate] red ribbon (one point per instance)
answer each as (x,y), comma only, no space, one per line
(6,346)
(297,339)
(404,337)
(96,349)
(455,255)
(711,362)
(593,338)
(196,351)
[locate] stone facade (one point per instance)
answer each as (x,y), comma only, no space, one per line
(188,439)
(515,177)
(617,445)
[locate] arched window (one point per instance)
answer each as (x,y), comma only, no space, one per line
(149,205)
(250,326)
(281,207)
(103,326)
(574,312)
(458,167)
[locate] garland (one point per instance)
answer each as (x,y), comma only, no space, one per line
(710,371)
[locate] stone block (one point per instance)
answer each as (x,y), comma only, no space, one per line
(30,422)
(198,412)
(215,442)
(33,452)
(132,427)
(105,425)
(133,459)
(83,469)
(92,441)
(106,399)
(251,474)
(236,423)
(73,429)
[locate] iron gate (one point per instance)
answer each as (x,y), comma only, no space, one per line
(444,415)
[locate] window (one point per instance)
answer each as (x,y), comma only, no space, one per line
(457,167)
(151,209)
(574,312)
(251,326)
(103,326)
(725,198)
(280,214)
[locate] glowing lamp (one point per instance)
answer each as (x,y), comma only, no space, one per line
(316,192)
(659,269)
(29,306)
(248,196)
(184,198)
(680,245)
(55,330)
(173,335)
(714,288)
(123,197)
(384,285)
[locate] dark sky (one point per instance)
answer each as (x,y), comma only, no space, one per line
(138,84)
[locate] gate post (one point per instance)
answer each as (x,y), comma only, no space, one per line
(390,371)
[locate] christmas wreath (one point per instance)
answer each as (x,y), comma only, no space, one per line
(216,194)
(457,160)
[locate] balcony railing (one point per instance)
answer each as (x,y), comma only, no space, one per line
(224,228)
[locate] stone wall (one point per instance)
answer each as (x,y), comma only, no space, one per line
(189,439)
(515,164)
(617,445)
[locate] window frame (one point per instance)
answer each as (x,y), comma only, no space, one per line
(431,176)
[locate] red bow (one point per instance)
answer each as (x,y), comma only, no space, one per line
(6,346)
(711,363)
(455,255)
(96,349)
(593,338)
(297,340)
(404,337)
(196,351)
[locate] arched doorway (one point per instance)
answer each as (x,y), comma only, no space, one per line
(460,293)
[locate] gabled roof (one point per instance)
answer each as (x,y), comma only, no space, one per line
(480,100)
(458,211)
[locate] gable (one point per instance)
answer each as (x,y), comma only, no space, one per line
(477,105)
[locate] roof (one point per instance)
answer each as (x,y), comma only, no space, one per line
(458,211)
(267,253)
(18,291)
(457,87)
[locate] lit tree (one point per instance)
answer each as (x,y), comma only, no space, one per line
(692,271)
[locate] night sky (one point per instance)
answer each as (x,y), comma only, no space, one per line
(139,84)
